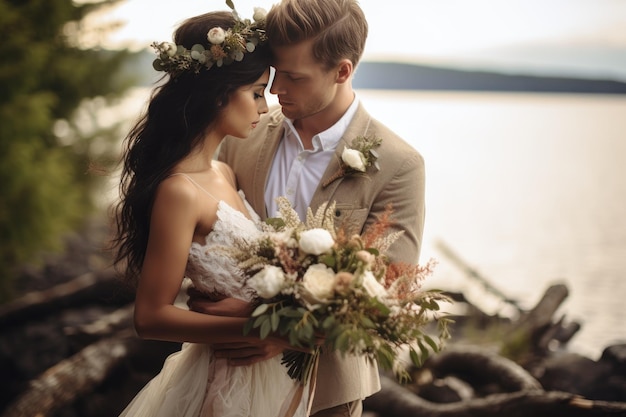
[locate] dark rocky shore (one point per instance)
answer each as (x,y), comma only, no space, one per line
(67,349)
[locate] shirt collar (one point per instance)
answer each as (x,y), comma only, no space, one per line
(329,138)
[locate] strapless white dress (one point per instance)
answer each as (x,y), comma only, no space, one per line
(193,383)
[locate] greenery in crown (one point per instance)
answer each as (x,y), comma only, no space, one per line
(225,46)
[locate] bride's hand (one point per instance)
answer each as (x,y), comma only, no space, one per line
(242,353)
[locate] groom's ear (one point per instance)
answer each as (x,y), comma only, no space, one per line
(344,71)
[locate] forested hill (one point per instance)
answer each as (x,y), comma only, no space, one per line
(394,76)
(402,76)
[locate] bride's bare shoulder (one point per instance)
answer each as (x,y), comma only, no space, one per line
(227,171)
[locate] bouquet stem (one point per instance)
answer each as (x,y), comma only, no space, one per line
(300,364)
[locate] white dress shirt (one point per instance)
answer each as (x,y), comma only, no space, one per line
(296,172)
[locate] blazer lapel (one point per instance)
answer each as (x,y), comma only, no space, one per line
(266,153)
(357,127)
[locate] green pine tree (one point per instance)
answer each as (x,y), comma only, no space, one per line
(46,149)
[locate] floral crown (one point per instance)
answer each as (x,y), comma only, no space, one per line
(226,46)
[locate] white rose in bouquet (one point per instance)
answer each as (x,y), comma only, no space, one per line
(354,159)
(318,283)
(268,282)
(316,241)
(372,286)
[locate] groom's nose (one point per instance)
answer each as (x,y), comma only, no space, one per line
(277,86)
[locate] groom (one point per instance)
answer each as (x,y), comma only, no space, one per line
(296,148)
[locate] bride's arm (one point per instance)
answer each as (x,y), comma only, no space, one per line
(174,219)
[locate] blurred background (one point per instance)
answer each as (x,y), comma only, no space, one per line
(518,107)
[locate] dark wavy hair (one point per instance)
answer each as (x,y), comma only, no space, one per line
(181,110)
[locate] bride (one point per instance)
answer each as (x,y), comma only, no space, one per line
(177,203)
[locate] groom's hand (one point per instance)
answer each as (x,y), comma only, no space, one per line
(217,305)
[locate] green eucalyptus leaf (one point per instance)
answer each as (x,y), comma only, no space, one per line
(266,328)
(260,310)
(296,314)
(307,331)
(341,343)
(274,320)
(415,358)
(259,321)
(247,327)
(431,343)
(328,322)
(423,350)
(276,222)
(197,48)
(367,323)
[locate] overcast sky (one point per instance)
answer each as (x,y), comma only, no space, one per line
(421,29)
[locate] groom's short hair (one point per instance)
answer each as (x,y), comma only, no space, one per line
(338,28)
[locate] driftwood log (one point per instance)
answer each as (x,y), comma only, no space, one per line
(73,377)
(397,401)
(490,385)
(99,287)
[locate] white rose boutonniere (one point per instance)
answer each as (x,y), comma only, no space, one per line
(356,158)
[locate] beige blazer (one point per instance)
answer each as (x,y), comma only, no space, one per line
(359,201)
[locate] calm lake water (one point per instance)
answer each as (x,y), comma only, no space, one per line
(528,189)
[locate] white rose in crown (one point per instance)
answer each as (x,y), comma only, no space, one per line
(372,286)
(319,283)
(316,241)
(353,159)
(259,14)
(169,48)
(268,282)
(216,35)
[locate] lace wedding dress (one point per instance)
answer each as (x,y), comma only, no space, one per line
(193,383)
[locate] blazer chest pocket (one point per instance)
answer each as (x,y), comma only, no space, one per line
(350,218)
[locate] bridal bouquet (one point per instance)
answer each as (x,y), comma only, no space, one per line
(325,289)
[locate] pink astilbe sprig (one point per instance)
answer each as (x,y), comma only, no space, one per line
(287,258)
(404,280)
(377,231)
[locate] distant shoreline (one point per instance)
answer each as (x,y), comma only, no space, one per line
(380,75)
(403,76)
